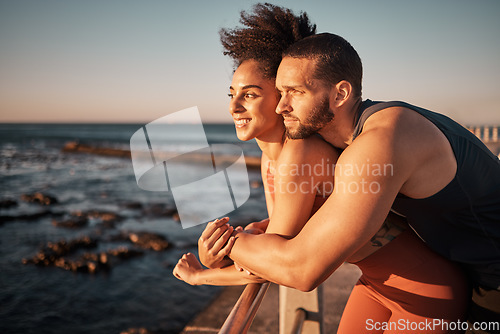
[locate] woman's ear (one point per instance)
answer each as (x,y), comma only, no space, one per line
(341,93)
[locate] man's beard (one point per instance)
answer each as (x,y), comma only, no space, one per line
(320,116)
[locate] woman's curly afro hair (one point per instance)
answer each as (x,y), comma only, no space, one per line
(267,32)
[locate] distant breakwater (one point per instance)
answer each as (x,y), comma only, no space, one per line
(75,147)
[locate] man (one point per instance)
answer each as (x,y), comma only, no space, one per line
(422,164)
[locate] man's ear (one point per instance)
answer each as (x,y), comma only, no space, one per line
(341,93)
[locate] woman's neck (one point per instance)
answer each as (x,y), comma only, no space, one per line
(272,145)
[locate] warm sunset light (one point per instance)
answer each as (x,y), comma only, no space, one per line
(133,61)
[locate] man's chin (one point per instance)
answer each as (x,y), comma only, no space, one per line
(298,133)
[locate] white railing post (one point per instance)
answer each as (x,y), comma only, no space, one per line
(486,134)
(477,132)
(311,302)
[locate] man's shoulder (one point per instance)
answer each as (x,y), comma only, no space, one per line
(411,143)
(403,126)
(394,133)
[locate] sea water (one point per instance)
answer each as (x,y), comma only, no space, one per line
(136,293)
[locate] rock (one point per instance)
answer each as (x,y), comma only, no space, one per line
(133,205)
(121,236)
(78,266)
(105,225)
(149,240)
(105,216)
(124,253)
(103,258)
(136,331)
(253,163)
(7,203)
(39,198)
(76,147)
(159,210)
(26,217)
(92,267)
(61,263)
(256,184)
(87,263)
(78,219)
(77,222)
(145,240)
(53,252)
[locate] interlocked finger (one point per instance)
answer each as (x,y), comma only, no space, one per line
(220,242)
(211,243)
(212,227)
(226,249)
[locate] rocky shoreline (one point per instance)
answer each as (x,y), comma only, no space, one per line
(59,254)
(67,254)
(73,255)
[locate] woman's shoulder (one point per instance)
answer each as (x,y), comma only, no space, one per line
(300,158)
(312,148)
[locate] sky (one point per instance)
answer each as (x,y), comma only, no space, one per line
(124,61)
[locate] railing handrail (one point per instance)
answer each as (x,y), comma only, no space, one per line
(298,322)
(243,312)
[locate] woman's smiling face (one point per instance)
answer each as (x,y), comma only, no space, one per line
(253,103)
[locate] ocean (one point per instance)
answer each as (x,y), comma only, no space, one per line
(96,197)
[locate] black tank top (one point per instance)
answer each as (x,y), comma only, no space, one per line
(462,221)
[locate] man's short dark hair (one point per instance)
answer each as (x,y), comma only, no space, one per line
(335,58)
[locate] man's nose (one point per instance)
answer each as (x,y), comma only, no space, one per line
(283,106)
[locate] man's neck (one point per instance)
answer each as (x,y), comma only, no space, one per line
(340,130)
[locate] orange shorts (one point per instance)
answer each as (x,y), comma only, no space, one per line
(406,288)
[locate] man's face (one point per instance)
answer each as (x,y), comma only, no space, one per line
(305,102)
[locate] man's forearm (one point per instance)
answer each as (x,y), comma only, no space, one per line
(302,262)
(266,256)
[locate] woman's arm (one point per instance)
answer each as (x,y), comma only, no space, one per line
(303,166)
(189,269)
(215,241)
(303,171)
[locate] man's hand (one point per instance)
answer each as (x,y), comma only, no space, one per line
(240,268)
(252,228)
(215,243)
(257,227)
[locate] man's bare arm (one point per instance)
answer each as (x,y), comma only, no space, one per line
(350,217)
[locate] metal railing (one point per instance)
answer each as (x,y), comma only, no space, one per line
(298,322)
(295,308)
(301,315)
(243,312)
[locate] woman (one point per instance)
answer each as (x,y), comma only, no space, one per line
(399,273)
